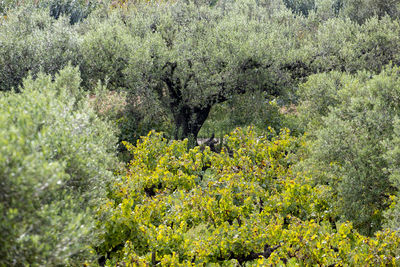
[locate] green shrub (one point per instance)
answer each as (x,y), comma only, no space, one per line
(75,10)
(56,158)
(5,6)
(320,8)
(242,206)
(356,10)
(317,96)
(257,109)
(106,49)
(300,6)
(392,156)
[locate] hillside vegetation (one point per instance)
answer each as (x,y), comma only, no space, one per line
(103,104)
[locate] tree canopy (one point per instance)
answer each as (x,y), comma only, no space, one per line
(188,57)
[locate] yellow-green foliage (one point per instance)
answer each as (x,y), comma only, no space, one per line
(244,205)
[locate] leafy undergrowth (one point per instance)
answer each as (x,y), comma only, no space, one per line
(241,206)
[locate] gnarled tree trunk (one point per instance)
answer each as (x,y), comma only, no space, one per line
(188,122)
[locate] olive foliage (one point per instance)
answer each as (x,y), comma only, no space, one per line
(56,158)
(181,59)
(187,58)
(32,41)
(354,128)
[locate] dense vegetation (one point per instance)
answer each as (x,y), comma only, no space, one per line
(104,104)
(242,205)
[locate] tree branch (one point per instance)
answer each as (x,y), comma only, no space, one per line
(173,89)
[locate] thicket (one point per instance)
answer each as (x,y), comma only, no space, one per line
(100,73)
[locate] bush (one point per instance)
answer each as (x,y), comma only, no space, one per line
(315,8)
(317,96)
(75,10)
(300,6)
(392,156)
(56,159)
(108,50)
(132,119)
(257,109)
(244,205)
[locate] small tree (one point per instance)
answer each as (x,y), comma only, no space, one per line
(362,10)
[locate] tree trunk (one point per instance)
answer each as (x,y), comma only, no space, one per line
(188,119)
(188,122)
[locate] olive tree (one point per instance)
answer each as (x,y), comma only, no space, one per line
(362,10)
(354,141)
(56,160)
(187,58)
(32,41)
(343,45)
